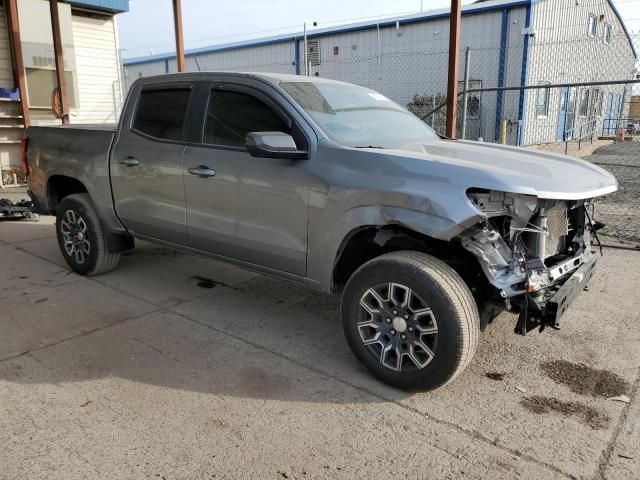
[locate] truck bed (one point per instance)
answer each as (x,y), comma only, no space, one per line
(75,152)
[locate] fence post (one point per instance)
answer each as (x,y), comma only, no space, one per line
(452,89)
(465,100)
(433,115)
(306,51)
(580,138)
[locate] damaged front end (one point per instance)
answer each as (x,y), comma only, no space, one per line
(537,253)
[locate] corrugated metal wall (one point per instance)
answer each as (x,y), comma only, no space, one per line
(410,60)
(406,61)
(97,66)
(6,75)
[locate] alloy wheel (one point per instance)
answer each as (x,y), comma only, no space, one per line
(75,235)
(397,327)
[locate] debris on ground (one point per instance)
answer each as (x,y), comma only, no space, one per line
(24,209)
(620,398)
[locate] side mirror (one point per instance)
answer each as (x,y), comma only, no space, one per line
(274,145)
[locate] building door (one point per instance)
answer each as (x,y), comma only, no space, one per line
(613,115)
(567,114)
(608,120)
(562,114)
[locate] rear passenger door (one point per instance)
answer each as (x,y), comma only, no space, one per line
(247,208)
(146,163)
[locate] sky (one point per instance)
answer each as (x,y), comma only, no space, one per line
(147,29)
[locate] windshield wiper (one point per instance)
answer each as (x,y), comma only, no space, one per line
(367,146)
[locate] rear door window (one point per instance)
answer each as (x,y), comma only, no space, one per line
(161,113)
(231,115)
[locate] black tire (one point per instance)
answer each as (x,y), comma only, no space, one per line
(95,258)
(453,323)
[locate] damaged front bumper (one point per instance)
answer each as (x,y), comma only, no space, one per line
(547,307)
(536,254)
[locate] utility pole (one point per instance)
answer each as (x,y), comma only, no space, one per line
(452,89)
(177,20)
(306,52)
(59,60)
(465,100)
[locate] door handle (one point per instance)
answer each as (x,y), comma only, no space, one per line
(202,171)
(130,161)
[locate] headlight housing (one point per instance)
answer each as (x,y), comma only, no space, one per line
(493,203)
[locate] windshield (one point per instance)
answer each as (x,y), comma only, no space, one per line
(358,117)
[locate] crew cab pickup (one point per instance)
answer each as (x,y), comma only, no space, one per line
(337,187)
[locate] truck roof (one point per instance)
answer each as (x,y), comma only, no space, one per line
(274,78)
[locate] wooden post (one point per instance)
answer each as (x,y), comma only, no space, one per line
(452,89)
(59,58)
(177,20)
(18,63)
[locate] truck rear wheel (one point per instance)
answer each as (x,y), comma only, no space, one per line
(410,319)
(81,237)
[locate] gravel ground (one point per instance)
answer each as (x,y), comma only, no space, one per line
(621,210)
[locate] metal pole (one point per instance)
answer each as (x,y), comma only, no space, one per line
(306,52)
(465,99)
(433,115)
(18,62)
(379,74)
(59,59)
(565,137)
(452,89)
(177,21)
(621,110)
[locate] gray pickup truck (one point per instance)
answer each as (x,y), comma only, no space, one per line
(337,187)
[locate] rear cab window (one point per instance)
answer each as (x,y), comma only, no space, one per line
(161,112)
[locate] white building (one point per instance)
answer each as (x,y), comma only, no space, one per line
(91,62)
(512,42)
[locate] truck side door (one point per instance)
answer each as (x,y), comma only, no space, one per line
(146,163)
(242,207)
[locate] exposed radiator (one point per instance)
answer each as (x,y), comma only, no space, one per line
(558,229)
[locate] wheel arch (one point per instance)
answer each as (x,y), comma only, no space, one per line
(60,186)
(370,241)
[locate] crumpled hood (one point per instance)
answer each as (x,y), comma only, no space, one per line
(504,168)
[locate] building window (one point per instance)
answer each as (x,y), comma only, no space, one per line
(41,84)
(593,26)
(607,33)
(542,101)
(596,102)
(583,105)
(313,52)
(161,113)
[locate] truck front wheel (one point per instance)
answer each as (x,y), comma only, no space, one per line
(410,319)
(81,237)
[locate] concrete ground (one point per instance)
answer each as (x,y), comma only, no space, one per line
(179,367)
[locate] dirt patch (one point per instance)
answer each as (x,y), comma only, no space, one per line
(588,415)
(498,377)
(585,380)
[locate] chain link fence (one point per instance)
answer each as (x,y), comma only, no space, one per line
(553,75)
(570,86)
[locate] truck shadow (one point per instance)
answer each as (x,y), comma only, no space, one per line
(206,327)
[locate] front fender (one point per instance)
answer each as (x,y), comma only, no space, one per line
(325,247)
